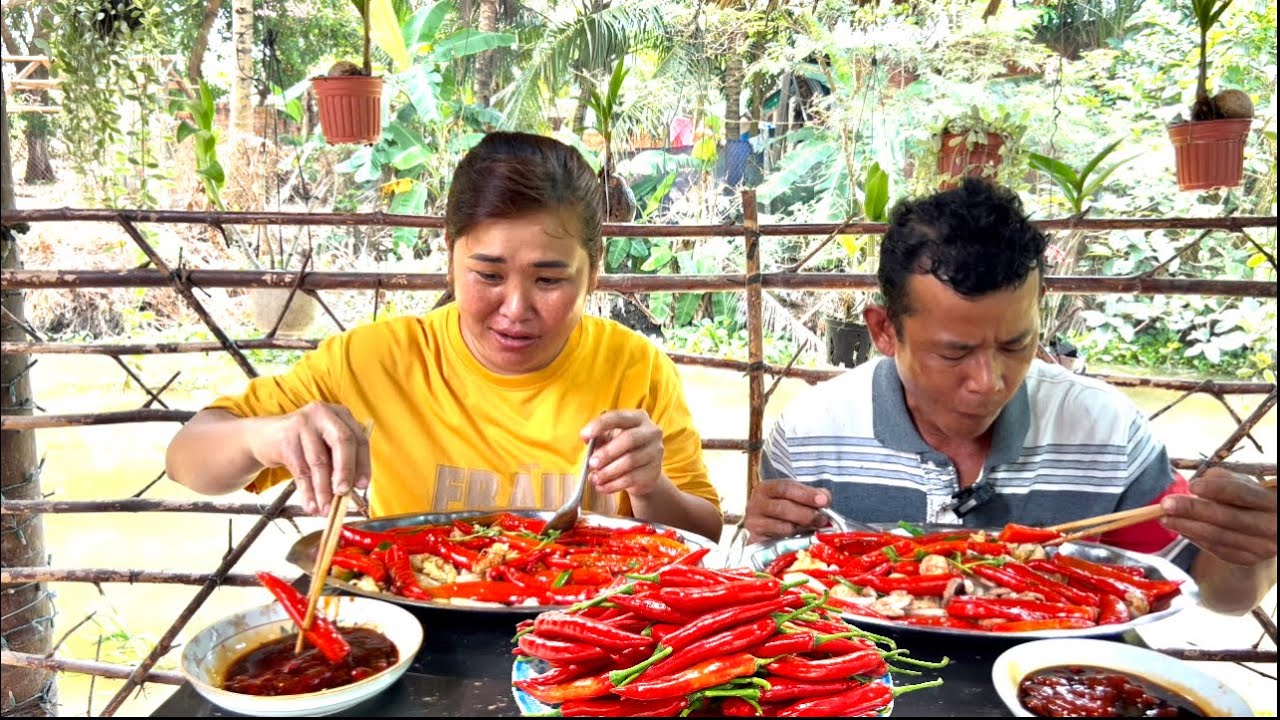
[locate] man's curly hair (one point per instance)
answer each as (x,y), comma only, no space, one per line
(975,239)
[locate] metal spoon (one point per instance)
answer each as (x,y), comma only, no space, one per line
(567,516)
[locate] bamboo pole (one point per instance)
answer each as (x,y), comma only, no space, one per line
(1205,654)
(165,643)
(186,293)
(112,575)
(136,504)
(86,667)
(117,417)
(622,230)
(755,340)
(620,283)
(1234,439)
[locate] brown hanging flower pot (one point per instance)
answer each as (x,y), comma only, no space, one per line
(350,108)
(957,158)
(1209,153)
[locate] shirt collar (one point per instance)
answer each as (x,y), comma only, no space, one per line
(894,429)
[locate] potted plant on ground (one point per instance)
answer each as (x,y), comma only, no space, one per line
(349,97)
(845,337)
(976,144)
(1209,148)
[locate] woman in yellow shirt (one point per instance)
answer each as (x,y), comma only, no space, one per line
(485,402)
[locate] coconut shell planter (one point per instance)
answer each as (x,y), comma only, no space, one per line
(958,157)
(350,105)
(1209,153)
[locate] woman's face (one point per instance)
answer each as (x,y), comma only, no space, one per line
(520,284)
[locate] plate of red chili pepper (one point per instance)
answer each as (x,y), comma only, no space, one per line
(690,640)
(963,581)
(494,562)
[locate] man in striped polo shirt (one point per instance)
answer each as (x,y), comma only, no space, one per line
(959,423)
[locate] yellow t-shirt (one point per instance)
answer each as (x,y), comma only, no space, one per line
(450,435)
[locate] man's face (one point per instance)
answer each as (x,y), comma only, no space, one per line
(960,359)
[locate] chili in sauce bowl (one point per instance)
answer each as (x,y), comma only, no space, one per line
(1103,678)
(252,651)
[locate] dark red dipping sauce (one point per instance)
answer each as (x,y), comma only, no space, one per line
(273,669)
(1079,691)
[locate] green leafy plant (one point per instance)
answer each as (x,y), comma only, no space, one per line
(200,127)
(1078,185)
(1207,14)
(861,249)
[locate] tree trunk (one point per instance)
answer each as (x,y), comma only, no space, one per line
(487,61)
(26,611)
(202,41)
(733,73)
(241,176)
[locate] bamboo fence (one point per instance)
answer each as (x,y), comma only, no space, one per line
(753,282)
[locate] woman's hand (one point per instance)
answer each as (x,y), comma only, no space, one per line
(628,454)
(323,447)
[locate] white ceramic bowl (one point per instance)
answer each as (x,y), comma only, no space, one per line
(1210,694)
(208,655)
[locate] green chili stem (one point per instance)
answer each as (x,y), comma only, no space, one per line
(622,677)
(902,690)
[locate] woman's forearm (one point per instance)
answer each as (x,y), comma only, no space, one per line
(212,453)
(671,506)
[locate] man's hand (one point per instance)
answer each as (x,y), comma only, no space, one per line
(1228,515)
(323,447)
(779,508)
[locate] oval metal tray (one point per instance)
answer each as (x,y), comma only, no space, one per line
(303,552)
(759,555)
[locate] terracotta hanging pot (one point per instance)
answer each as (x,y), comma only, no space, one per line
(1209,153)
(957,159)
(350,108)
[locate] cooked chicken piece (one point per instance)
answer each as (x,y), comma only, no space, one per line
(955,584)
(805,561)
(1024,552)
(367,584)
(980,536)
(1137,604)
(927,612)
(492,556)
(894,604)
(977,586)
(935,565)
(434,567)
(809,582)
(468,576)
(923,603)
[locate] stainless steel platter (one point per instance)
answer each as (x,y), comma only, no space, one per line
(303,552)
(759,555)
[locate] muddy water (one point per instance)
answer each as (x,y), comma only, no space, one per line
(119,461)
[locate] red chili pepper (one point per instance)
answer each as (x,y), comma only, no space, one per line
(1005,578)
(839,538)
(782,689)
(650,607)
(780,564)
(806,642)
(919,586)
(659,545)
(842,646)
(1154,589)
(322,633)
(695,557)
(849,703)
(907,567)
(831,556)
(853,608)
(516,523)
(727,617)
(976,608)
(505,593)
(943,547)
(667,707)
(881,558)
(367,539)
(349,558)
(592,686)
(1135,597)
(989,549)
(737,707)
(462,558)
(566,626)
(1074,596)
(738,639)
(685,576)
(559,651)
(1037,625)
(705,599)
(840,667)
(938,621)
(569,594)
(612,562)
(1014,533)
(403,581)
(1112,610)
(698,677)
(560,674)
(659,631)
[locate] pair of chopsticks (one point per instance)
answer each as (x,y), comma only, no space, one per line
(325,550)
(1091,527)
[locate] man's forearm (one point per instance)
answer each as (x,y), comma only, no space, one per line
(1232,589)
(671,506)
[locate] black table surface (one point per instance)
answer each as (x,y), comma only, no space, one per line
(464,670)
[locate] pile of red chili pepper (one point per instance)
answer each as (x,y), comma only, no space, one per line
(508,560)
(686,640)
(967,580)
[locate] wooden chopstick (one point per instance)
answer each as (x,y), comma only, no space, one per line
(1090,527)
(324,557)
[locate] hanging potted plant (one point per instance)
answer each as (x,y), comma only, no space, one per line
(1209,149)
(975,144)
(349,97)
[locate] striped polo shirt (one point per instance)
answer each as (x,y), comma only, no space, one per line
(1065,447)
